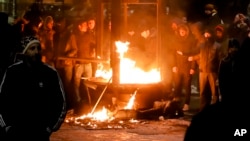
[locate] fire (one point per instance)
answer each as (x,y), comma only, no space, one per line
(104,114)
(131,101)
(121,47)
(100,116)
(129,73)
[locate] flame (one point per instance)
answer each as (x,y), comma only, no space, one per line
(121,48)
(104,114)
(131,101)
(100,116)
(129,73)
(103,73)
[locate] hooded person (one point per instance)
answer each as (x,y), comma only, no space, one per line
(221,36)
(212,17)
(32,98)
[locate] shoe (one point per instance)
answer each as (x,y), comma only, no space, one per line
(185,107)
(194,89)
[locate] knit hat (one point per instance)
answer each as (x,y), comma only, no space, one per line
(27,41)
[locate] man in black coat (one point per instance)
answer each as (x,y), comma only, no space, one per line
(32,99)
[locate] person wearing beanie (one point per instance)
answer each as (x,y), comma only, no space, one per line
(26,43)
(32,98)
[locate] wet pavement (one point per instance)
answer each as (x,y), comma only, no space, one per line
(139,130)
(161,130)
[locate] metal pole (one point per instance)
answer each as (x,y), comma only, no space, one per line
(101,96)
(115,36)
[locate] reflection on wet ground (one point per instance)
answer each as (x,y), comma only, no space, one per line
(139,130)
(150,130)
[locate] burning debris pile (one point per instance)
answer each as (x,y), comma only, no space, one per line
(98,124)
(108,118)
(126,118)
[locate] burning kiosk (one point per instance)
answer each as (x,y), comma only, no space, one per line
(126,81)
(126,77)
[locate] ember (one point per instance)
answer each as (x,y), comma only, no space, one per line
(123,119)
(92,124)
(106,119)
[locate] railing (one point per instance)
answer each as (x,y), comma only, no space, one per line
(84,59)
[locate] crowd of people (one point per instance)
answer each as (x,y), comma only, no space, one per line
(211,52)
(219,56)
(33,79)
(197,50)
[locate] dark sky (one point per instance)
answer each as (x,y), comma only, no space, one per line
(194,9)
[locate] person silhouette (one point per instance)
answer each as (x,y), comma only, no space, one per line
(32,98)
(227,118)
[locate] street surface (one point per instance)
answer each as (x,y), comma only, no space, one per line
(161,130)
(142,130)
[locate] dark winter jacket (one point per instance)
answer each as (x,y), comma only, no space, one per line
(85,45)
(32,99)
(185,45)
(212,21)
(209,58)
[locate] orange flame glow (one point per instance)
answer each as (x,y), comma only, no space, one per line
(100,116)
(129,73)
(131,101)
(104,114)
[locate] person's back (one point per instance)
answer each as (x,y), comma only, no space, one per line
(227,70)
(229,117)
(218,122)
